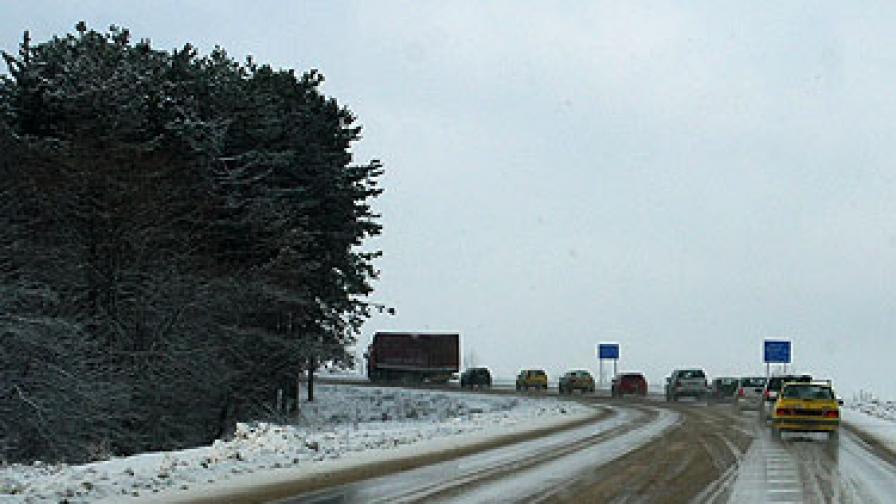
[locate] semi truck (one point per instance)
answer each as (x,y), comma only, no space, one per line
(413,357)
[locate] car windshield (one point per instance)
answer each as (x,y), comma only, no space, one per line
(692,373)
(808,392)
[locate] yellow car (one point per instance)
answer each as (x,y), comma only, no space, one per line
(806,407)
(532,378)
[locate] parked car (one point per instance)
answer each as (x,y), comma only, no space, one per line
(749,392)
(532,378)
(686,383)
(723,389)
(578,379)
(628,383)
(772,387)
(476,377)
(806,407)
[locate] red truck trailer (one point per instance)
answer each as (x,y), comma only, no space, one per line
(413,357)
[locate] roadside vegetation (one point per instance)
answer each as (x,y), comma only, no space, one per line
(180,236)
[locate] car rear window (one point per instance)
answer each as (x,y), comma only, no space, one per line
(776,382)
(752,382)
(808,392)
(692,373)
(537,372)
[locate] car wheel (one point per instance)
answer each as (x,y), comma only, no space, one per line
(834,436)
(776,434)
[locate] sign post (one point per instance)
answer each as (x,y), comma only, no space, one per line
(777,352)
(607,351)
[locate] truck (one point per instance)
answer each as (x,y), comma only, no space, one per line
(413,357)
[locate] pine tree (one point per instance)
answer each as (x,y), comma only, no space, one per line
(182,234)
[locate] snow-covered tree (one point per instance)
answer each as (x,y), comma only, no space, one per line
(181,235)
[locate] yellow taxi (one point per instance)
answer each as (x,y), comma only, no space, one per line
(532,378)
(806,407)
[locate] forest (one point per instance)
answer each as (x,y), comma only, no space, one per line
(180,236)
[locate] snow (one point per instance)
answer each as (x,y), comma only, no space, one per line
(345,426)
(873,417)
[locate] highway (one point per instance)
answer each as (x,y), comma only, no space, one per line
(642,450)
(633,450)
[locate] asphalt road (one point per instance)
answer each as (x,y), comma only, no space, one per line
(809,468)
(515,473)
(645,451)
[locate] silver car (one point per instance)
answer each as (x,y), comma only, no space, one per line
(749,393)
(686,383)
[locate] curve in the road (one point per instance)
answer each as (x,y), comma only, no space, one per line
(480,477)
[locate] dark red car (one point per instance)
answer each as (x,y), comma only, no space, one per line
(629,383)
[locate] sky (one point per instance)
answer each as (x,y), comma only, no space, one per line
(686,179)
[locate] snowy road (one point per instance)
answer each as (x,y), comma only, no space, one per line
(810,469)
(647,452)
(528,471)
(496,446)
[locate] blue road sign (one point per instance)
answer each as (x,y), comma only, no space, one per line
(777,351)
(608,351)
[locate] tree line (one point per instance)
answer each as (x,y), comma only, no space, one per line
(180,235)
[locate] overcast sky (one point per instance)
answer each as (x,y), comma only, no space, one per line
(684,178)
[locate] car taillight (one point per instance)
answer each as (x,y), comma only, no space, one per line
(832,414)
(783,412)
(740,392)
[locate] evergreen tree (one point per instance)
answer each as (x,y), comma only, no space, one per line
(181,234)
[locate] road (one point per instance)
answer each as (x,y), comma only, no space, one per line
(808,468)
(645,451)
(515,473)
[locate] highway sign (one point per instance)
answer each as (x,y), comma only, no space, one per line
(608,351)
(777,351)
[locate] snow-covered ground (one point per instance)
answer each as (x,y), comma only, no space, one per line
(345,425)
(874,417)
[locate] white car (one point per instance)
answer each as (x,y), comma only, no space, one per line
(749,392)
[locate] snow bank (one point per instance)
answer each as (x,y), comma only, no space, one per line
(345,423)
(873,417)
